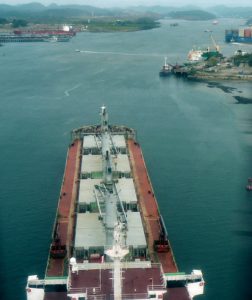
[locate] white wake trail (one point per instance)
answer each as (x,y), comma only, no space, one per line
(122,53)
(66,92)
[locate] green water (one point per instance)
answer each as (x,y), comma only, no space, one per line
(196,142)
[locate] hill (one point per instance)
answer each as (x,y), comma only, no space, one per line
(231,12)
(193,15)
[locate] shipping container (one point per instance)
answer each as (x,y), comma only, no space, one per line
(247,32)
(241,32)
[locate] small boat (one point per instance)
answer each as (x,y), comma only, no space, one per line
(166,69)
(249,185)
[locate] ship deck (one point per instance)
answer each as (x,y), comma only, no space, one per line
(149,207)
(150,214)
(98,283)
(56,296)
(65,211)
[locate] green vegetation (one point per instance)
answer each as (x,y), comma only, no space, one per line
(192,71)
(212,55)
(232,11)
(82,16)
(192,15)
(37,11)
(15,23)
(110,25)
(19,23)
(3,21)
(212,61)
(245,59)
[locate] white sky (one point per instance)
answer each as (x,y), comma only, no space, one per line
(123,3)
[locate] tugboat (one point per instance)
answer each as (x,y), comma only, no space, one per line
(166,69)
(249,185)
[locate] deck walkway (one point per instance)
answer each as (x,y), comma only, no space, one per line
(65,212)
(149,207)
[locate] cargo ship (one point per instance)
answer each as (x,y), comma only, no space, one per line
(28,38)
(196,55)
(46,35)
(109,239)
(241,35)
(46,32)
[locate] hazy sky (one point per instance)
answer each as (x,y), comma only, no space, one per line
(108,3)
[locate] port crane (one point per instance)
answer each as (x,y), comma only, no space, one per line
(215,52)
(216,46)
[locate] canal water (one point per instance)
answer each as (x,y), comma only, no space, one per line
(196,142)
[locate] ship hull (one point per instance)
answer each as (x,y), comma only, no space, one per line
(78,264)
(243,36)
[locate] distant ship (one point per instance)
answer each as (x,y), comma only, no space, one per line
(26,38)
(249,185)
(48,35)
(199,54)
(242,35)
(195,55)
(109,239)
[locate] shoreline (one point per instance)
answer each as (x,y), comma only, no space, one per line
(209,78)
(228,90)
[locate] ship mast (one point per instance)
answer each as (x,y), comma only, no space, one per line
(116,253)
(109,191)
(106,156)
